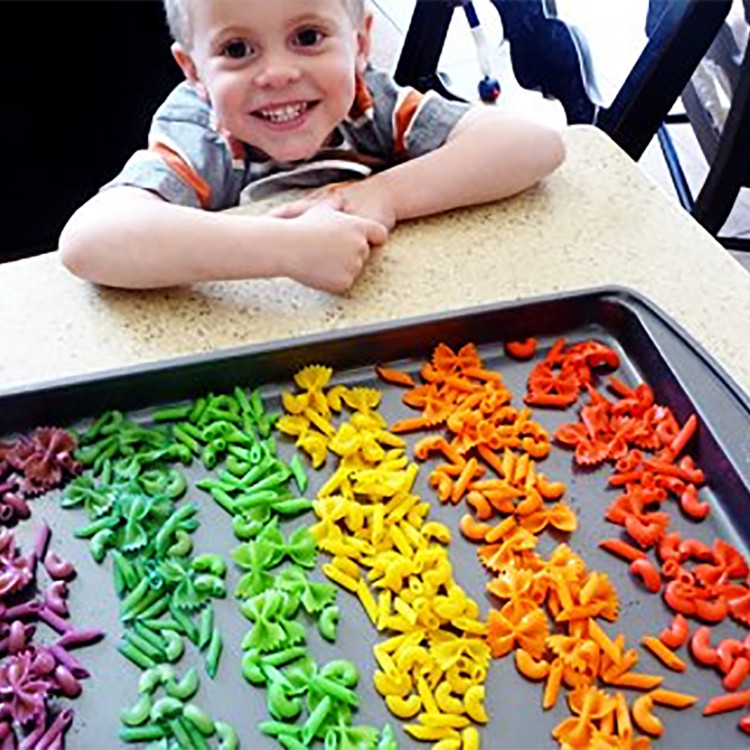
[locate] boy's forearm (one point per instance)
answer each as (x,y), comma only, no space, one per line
(143,243)
(487,157)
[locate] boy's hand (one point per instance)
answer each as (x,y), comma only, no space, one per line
(364,198)
(334,247)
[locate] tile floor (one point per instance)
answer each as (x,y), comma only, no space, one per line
(614,56)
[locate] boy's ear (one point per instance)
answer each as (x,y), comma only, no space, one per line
(186,62)
(364,40)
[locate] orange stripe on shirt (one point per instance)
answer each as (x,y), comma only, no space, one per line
(403,116)
(362,99)
(185,171)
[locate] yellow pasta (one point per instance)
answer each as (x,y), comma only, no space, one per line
(449,743)
(474,704)
(403,708)
(437,719)
(446,701)
(392,683)
(348,566)
(425,694)
(368,601)
(337,575)
(420,732)
(377,531)
(405,610)
(470,739)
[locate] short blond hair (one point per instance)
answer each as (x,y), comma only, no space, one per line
(178,18)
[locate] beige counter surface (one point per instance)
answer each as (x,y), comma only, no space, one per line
(597,221)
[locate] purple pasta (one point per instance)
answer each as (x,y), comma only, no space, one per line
(25,693)
(76,668)
(18,503)
(57,567)
(23,611)
(16,569)
(29,742)
(54,598)
(42,540)
(16,637)
(83,637)
(29,631)
(44,662)
(54,620)
(69,685)
(43,457)
(60,725)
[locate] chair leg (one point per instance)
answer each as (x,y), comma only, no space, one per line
(730,168)
(675,168)
(683,34)
(417,65)
(546,56)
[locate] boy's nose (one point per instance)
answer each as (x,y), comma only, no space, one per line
(277,71)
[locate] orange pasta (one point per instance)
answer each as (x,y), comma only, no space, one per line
(665,655)
(396,377)
(727,702)
(677,633)
(672,699)
(636,680)
(645,718)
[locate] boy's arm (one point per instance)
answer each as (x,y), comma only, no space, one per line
(128,237)
(487,156)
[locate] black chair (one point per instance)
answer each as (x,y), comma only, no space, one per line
(80,82)
(726,146)
(549,56)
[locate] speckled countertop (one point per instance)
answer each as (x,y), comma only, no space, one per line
(598,221)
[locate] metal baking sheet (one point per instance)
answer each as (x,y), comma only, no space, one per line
(652,349)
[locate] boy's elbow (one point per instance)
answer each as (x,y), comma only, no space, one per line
(554,153)
(558,151)
(74,249)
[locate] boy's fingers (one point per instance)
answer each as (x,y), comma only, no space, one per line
(377,234)
(289,210)
(325,201)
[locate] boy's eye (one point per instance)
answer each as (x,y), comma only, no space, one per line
(308,37)
(236,49)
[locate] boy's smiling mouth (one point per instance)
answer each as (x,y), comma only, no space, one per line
(283,113)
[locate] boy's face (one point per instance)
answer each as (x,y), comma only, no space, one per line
(279,73)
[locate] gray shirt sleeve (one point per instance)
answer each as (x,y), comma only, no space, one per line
(188,161)
(398,122)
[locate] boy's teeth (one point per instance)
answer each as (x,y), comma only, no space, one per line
(284,114)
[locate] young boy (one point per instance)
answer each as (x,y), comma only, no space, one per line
(278,94)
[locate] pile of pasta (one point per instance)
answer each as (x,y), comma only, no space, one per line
(549,610)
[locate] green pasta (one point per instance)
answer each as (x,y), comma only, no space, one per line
(228,739)
(135,655)
(205,627)
(213,653)
(139,713)
(186,688)
(142,733)
(166,708)
(199,719)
